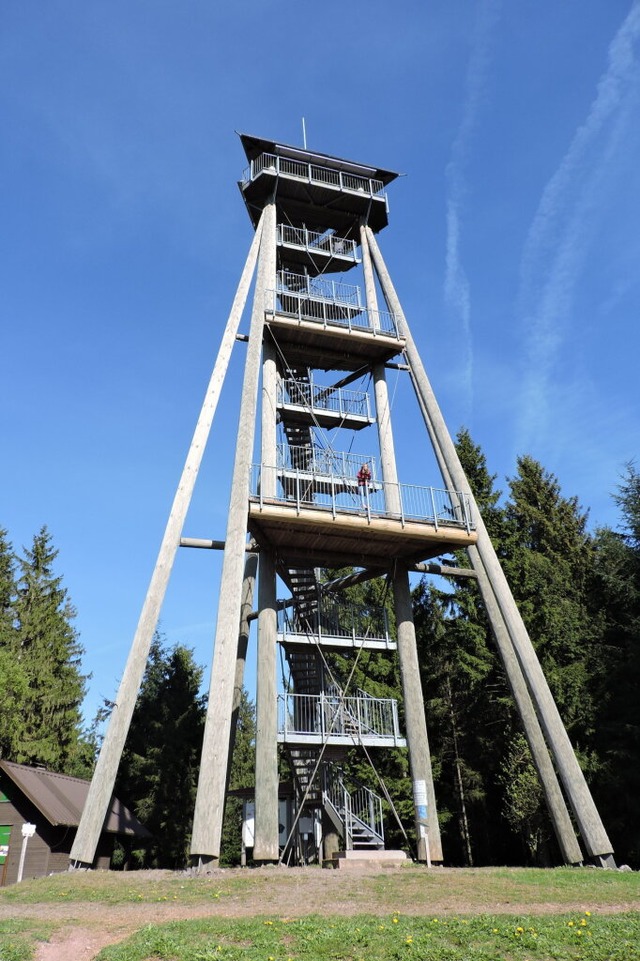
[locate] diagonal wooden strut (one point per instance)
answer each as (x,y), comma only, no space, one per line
(103,781)
(209,808)
(586,814)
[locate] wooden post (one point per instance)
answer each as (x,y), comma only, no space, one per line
(266,840)
(383,412)
(103,781)
(591,828)
(246,609)
(554,798)
(425,808)
(209,809)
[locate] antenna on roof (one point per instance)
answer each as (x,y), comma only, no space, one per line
(304,134)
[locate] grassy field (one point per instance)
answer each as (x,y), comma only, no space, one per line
(300,915)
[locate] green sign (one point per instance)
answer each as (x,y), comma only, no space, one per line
(5,834)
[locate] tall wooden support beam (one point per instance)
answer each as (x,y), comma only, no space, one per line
(426,814)
(592,830)
(266,836)
(209,808)
(383,411)
(555,801)
(563,828)
(246,609)
(103,781)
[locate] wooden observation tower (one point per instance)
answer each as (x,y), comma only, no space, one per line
(326,325)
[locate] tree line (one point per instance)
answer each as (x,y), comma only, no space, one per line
(579,594)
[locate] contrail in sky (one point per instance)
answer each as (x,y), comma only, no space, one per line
(457,293)
(561,230)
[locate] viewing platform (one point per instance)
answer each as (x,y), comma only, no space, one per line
(304,402)
(311,527)
(335,625)
(337,334)
(327,471)
(316,718)
(314,250)
(336,192)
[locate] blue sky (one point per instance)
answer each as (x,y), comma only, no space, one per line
(513,243)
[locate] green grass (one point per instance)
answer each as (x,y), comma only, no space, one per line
(564,887)
(565,914)
(365,938)
(17,939)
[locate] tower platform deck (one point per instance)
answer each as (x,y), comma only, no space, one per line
(332,343)
(335,642)
(314,536)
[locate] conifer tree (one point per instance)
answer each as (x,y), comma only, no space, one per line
(467,705)
(548,560)
(241,775)
(158,773)
(615,605)
(13,683)
(45,646)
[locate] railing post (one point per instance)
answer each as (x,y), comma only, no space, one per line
(433,507)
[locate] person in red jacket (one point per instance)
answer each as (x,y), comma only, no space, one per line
(364,476)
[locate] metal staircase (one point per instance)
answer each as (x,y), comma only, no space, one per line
(355,810)
(305,665)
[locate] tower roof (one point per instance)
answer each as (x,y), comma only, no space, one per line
(254,146)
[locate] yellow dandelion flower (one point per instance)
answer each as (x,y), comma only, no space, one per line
(570,924)
(520,930)
(395,920)
(588,913)
(268,922)
(495,931)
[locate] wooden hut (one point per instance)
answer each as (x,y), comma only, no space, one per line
(39,815)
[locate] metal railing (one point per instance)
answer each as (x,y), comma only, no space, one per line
(339,465)
(329,313)
(334,618)
(312,173)
(323,243)
(359,808)
(325,288)
(324,715)
(336,400)
(300,488)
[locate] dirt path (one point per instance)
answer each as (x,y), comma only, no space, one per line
(86,927)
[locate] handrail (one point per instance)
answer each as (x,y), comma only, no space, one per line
(335,291)
(334,715)
(335,618)
(313,173)
(315,460)
(327,242)
(302,488)
(336,400)
(359,804)
(330,313)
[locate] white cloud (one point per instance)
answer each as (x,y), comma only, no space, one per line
(457,290)
(563,227)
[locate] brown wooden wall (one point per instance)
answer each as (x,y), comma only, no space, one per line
(49,848)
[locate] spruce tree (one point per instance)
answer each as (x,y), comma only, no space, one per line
(467,704)
(13,684)
(548,560)
(615,606)
(241,775)
(45,646)
(158,773)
